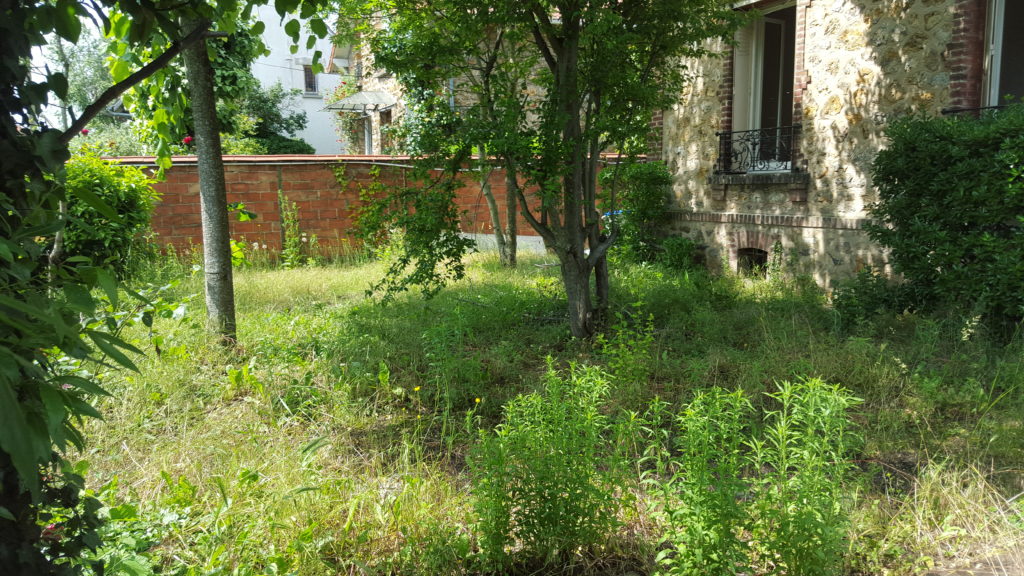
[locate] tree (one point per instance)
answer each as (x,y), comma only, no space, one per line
(603,66)
(43,299)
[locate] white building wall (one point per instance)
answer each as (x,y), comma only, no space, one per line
(287,68)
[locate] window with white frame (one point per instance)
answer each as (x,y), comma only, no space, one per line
(1004,69)
(762,136)
(310,80)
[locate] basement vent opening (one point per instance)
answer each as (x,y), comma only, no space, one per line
(752,261)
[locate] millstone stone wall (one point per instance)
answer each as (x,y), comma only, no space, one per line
(857,64)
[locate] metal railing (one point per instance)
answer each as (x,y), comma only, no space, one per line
(764,150)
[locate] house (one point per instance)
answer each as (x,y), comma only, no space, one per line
(771,144)
(372,106)
(295,71)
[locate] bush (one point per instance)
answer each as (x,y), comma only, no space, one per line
(869,294)
(538,483)
(640,208)
(951,210)
(128,192)
(704,508)
(277,144)
(789,503)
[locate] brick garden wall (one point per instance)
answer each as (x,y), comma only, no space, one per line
(325,207)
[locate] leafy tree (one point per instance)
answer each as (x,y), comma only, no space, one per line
(602,67)
(44,297)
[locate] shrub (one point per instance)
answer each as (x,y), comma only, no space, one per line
(538,482)
(736,499)
(277,144)
(868,294)
(678,252)
(704,508)
(640,208)
(90,233)
(800,519)
(951,210)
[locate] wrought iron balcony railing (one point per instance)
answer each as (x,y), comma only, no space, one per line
(765,150)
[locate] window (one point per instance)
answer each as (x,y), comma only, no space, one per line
(752,261)
(1004,73)
(310,77)
(761,135)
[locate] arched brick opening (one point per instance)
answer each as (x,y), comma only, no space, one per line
(751,251)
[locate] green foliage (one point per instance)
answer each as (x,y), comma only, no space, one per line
(678,253)
(636,196)
(704,496)
(628,350)
(110,138)
(116,243)
(951,210)
(543,486)
(803,459)
(277,144)
(870,294)
(783,485)
(420,225)
(298,249)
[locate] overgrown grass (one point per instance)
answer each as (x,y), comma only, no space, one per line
(335,440)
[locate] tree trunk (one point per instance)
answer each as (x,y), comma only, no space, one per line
(576,277)
(220,297)
(492,208)
(511,214)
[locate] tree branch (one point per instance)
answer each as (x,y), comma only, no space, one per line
(110,94)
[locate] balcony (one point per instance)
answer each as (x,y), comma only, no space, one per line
(752,151)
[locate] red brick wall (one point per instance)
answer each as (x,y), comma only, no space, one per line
(324,207)
(966,53)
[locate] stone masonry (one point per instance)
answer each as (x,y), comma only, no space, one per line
(857,64)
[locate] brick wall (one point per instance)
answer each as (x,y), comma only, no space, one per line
(966,54)
(325,208)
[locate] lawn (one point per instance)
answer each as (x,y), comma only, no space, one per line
(346,437)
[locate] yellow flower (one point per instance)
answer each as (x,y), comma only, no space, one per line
(477,400)
(416,389)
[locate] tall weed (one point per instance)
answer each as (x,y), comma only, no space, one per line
(542,485)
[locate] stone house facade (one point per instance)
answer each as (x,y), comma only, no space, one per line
(771,144)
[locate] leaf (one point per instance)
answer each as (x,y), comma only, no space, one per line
(56,410)
(16,438)
(110,345)
(109,285)
(79,298)
(318,27)
(66,21)
(6,514)
(83,384)
(292,29)
(86,195)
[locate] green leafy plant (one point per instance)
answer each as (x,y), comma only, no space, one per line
(542,485)
(951,210)
(298,249)
(114,242)
(628,349)
(800,517)
(704,508)
(639,207)
(678,252)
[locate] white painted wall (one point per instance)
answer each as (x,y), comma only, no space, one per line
(284,67)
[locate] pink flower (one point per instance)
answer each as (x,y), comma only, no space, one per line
(85,131)
(187,140)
